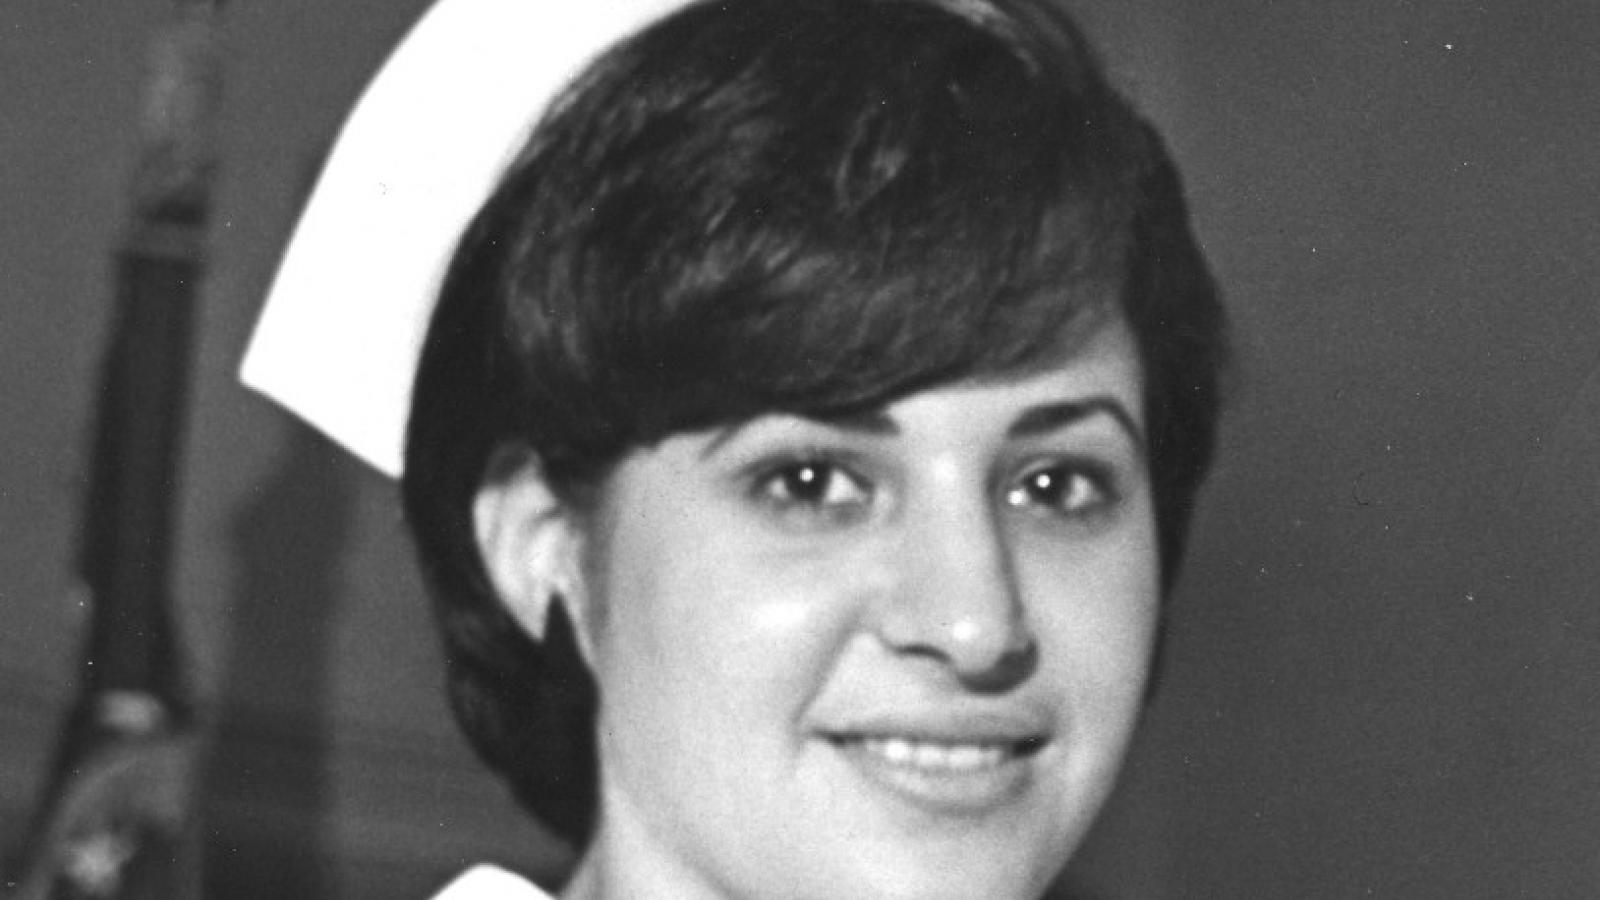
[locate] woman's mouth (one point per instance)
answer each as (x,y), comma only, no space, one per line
(950,776)
(937,756)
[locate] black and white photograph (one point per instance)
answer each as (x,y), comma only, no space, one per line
(799,449)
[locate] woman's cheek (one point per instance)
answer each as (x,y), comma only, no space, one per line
(784,615)
(792,604)
(1095,608)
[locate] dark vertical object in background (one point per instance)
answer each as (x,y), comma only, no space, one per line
(264,783)
(264,789)
(114,821)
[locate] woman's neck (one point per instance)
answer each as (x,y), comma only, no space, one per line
(626,860)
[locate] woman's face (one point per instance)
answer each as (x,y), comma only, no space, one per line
(894,655)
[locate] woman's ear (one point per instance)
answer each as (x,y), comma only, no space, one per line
(531,545)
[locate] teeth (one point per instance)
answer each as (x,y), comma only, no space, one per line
(927,755)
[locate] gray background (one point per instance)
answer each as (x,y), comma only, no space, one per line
(1384,673)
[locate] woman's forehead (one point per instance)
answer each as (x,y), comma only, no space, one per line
(1098,360)
(1095,375)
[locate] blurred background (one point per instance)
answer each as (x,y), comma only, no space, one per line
(1384,667)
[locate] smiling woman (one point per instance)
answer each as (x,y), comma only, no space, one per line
(803,443)
(922,648)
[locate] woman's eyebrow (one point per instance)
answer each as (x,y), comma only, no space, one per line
(876,422)
(872,421)
(1049,417)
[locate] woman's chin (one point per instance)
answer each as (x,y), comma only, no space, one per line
(902,871)
(958,822)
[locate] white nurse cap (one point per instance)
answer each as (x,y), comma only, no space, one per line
(342,329)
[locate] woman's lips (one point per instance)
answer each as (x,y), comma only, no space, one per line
(949,770)
(936,756)
(939,755)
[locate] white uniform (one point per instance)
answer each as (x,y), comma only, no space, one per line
(490,883)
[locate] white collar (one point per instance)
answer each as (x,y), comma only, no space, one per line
(486,882)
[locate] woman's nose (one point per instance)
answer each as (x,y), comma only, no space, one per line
(957,598)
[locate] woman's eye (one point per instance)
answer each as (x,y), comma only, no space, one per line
(1064,490)
(816,487)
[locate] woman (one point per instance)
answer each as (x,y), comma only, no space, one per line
(803,445)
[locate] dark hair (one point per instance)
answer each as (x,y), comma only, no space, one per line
(801,205)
